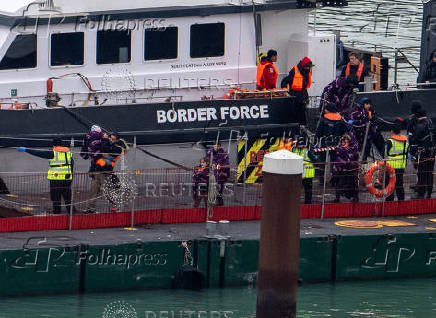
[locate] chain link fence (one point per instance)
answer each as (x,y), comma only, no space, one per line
(173,190)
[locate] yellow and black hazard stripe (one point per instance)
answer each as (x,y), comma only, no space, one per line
(250,163)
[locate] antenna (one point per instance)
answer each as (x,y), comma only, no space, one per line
(43,6)
(48,6)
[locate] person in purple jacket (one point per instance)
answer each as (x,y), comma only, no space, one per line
(92,143)
(362,115)
(221,168)
(345,169)
(340,93)
(200,179)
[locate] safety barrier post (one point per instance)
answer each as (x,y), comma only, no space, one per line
(72,187)
(132,216)
(244,185)
(279,235)
(383,185)
(327,160)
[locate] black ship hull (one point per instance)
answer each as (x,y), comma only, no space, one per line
(392,104)
(150,124)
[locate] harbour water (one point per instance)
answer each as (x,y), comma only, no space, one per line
(379,299)
(381,25)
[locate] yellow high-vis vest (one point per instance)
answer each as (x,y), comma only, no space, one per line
(60,165)
(397,155)
(309,170)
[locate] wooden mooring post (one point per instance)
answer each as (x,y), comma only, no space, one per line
(279,235)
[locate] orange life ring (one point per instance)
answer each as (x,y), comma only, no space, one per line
(379,193)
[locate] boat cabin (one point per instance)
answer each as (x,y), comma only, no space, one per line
(88,53)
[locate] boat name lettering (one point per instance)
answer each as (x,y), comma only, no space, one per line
(207,114)
(194,65)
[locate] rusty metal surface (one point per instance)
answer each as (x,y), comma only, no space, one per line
(279,246)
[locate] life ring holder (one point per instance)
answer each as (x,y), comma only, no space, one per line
(389,189)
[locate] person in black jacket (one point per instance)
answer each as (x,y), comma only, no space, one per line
(60,173)
(111,148)
(331,125)
(421,148)
(429,74)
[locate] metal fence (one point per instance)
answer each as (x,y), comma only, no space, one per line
(172,189)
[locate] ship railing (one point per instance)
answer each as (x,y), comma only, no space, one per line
(141,196)
(102,97)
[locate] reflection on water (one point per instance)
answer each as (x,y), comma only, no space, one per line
(379,299)
(378,24)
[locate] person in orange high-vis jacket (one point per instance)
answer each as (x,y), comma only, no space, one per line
(298,82)
(299,79)
(355,67)
(267,74)
(285,144)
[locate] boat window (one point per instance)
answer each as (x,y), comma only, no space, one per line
(207,40)
(161,44)
(21,53)
(67,49)
(113,47)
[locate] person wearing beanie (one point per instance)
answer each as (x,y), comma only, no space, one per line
(298,81)
(96,128)
(60,173)
(415,107)
(267,73)
(422,151)
(363,115)
(357,68)
(429,74)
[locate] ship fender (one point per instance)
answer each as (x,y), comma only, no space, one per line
(389,189)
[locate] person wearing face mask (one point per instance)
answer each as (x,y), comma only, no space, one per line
(345,169)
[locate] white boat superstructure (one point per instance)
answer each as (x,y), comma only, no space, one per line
(94,52)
